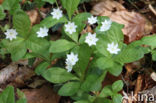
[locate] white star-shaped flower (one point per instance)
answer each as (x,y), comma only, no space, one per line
(72,58)
(42,32)
(71,61)
(106,25)
(11,34)
(70,27)
(57,13)
(92,20)
(113,48)
(91,39)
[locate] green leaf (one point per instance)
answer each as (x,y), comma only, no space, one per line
(93,80)
(39,46)
(69,89)
(153,55)
(97,85)
(18,52)
(113,35)
(22,98)
(106,92)
(58,55)
(129,54)
(8,96)
(82,101)
(15,7)
(50,22)
(70,6)
(117,86)
(20,94)
(149,40)
(83,38)
(61,45)
(104,63)
(84,54)
(117,98)
(41,68)
(21,23)
(2,14)
(29,56)
(101,46)
(116,69)
(91,77)
(50,1)
(16,47)
(115,30)
(58,75)
(39,3)
(9,4)
(102,100)
(80,20)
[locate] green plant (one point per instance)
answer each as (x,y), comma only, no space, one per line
(8,96)
(87,57)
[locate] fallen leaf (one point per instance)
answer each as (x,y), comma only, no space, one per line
(16,74)
(34,16)
(43,95)
(87,29)
(136,26)
(37,82)
(1,1)
(7,72)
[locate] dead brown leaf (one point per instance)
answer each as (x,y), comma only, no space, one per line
(34,16)
(87,29)
(43,95)
(136,26)
(16,74)
(1,1)
(36,83)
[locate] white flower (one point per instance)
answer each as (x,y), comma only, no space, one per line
(91,39)
(72,58)
(112,48)
(57,13)
(71,61)
(70,27)
(42,32)
(106,25)
(69,67)
(92,20)
(11,34)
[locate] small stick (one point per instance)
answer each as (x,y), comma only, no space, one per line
(152,9)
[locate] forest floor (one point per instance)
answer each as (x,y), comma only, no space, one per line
(139,16)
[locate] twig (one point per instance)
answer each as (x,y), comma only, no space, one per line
(84,7)
(152,9)
(133,4)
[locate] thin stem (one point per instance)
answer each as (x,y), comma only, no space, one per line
(133,4)
(84,7)
(77,11)
(10,20)
(57,4)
